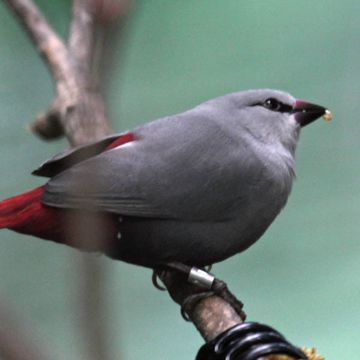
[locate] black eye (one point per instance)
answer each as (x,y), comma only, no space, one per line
(273,104)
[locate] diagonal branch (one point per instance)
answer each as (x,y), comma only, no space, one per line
(81,39)
(48,43)
(210,314)
(78,110)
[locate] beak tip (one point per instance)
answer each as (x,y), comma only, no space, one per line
(327,115)
(306,113)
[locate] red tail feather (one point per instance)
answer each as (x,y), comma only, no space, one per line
(26,214)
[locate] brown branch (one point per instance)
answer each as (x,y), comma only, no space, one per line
(93,310)
(80,108)
(86,122)
(48,125)
(81,39)
(48,43)
(78,111)
(212,315)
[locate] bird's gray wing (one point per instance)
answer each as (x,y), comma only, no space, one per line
(105,183)
(183,167)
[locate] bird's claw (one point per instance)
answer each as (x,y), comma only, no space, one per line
(204,280)
(155,281)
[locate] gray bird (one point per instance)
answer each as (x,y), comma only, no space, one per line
(195,188)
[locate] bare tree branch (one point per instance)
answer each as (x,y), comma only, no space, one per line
(48,125)
(211,315)
(48,43)
(92,307)
(81,39)
(77,107)
(78,111)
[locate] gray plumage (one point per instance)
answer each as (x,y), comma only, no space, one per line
(196,187)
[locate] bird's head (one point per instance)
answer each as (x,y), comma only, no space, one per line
(273,116)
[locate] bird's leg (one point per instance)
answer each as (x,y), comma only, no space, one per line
(208,286)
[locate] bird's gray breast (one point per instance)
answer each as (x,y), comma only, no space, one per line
(223,198)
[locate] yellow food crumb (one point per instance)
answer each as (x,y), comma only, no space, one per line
(328,115)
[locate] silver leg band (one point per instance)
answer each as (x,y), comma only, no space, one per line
(201,278)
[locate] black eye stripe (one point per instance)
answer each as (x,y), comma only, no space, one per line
(286,108)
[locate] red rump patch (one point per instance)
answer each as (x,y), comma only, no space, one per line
(26,214)
(121,140)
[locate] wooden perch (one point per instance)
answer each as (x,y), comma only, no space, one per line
(211,314)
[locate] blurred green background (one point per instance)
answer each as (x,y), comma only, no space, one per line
(303,276)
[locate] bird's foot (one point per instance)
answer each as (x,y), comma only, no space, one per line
(207,284)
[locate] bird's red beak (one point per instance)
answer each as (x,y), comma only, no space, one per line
(305,113)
